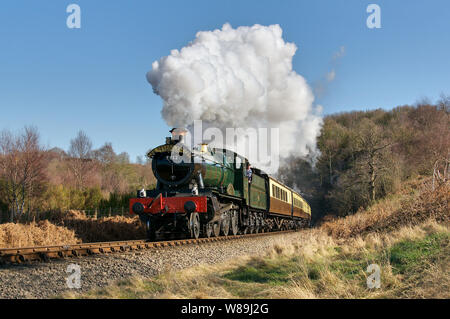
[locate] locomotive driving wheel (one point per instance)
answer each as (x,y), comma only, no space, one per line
(226,224)
(209,229)
(234,222)
(216,229)
(251,227)
(257,224)
(195,225)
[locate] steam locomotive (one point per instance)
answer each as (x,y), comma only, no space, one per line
(204,192)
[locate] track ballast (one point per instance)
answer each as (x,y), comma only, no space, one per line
(46,253)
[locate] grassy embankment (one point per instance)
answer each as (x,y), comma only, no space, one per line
(70,228)
(407,235)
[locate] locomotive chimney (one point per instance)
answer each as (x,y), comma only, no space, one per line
(178,135)
(204,147)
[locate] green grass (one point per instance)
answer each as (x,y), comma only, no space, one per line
(129,289)
(267,271)
(281,270)
(407,255)
(348,268)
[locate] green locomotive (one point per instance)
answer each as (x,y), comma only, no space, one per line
(211,192)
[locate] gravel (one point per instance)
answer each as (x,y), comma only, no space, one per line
(47,280)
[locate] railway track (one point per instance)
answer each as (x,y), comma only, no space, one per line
(46,253)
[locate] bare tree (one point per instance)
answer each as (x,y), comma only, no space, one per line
(79,161)
(139,160)
(105,154)
(444,103)
(331,140)
(22,164)
(371,145)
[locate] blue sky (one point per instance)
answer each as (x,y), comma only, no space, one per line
(62,80)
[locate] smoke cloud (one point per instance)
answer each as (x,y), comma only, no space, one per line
(321,86)
(242,78)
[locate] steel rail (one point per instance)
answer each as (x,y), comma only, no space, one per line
(45,253)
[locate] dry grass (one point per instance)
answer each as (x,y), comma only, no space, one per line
(319,267)
(105,228)
(35,234)
(101,229)
(68,228)
(415,204)
(60,216)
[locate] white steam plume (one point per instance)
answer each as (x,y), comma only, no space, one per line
(243,78)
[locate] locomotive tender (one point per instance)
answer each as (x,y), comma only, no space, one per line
(205,192)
